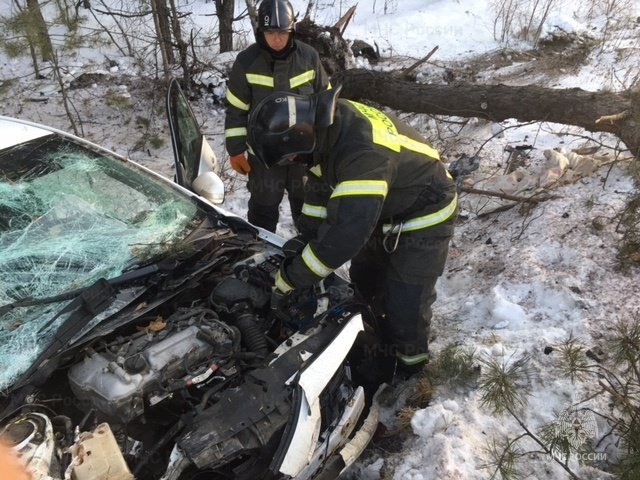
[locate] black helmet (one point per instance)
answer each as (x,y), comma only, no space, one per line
(276,15)
(284,125)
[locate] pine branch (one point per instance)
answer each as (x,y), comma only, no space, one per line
(502,384)
(535,438)
(505,464)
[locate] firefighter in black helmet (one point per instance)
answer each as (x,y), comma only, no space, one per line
(277,20)
(377,195)
(276,62)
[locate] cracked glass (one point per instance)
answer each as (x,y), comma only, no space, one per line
(71,214)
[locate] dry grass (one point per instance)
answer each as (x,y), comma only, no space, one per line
(422,393)
(404,416)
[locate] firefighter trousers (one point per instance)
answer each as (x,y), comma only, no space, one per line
(401,285)
(267,187)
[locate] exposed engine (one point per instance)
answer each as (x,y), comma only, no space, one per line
(124,375)
(191,348)
(162,380)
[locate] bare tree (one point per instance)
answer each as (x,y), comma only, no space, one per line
(28,25)
(66,102)
(310,6)
(224,12)
(118,24)
(181,45)
(163,32)
(37,31)
(253,13)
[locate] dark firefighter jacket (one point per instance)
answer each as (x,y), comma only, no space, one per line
(255,74)
(371,174)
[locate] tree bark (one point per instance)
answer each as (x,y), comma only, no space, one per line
(181,45)
(40,33)
(163,32)
(224,12)
(328,41)
(616,113)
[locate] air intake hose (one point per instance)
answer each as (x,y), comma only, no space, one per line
(253,338)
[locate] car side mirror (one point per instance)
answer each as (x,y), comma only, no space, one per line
(210,186)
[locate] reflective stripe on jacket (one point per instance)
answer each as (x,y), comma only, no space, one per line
(255,74)
(371,170)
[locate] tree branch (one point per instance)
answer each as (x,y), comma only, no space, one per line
(507,196)
(404,74)
(613,119)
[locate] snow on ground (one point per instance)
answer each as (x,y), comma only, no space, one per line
(512,288)
(517,282)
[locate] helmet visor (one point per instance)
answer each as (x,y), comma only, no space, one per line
(280,128)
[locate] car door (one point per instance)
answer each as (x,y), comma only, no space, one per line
(194,158)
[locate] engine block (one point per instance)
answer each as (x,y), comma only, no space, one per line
(119,383)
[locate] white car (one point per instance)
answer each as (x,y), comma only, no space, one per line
(138,337)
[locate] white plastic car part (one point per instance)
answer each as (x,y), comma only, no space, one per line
(208,184)
(313,379)
(363,436)
(338,435)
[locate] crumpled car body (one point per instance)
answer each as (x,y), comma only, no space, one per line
(138,336)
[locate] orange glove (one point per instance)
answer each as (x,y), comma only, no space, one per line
(240,163)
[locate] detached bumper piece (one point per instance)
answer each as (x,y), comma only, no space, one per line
(301,441)
(337,463)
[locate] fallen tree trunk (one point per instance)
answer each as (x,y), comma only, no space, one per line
(616,113)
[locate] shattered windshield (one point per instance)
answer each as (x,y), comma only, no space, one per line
(70,215)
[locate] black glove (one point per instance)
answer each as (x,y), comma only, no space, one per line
(293,246)
(277,299)
(294,306)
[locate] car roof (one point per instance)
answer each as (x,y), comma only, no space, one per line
(14,132)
